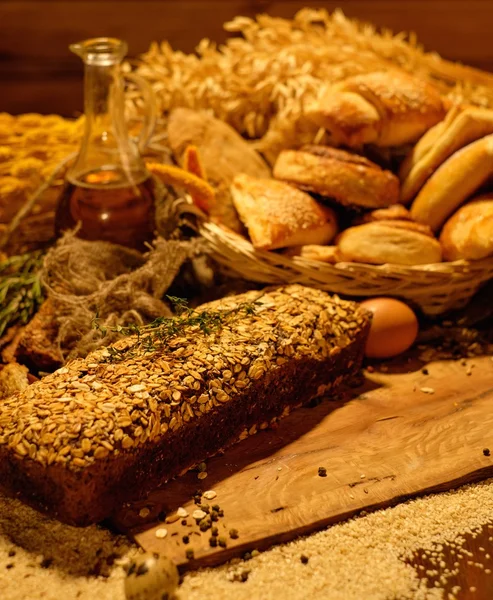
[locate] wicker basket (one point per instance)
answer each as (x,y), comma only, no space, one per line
(435,289)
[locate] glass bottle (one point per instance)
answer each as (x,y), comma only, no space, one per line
(108,192)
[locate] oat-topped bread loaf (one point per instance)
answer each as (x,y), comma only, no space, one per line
(98,432)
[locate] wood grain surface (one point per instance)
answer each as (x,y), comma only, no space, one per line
(400,435)
(37,72)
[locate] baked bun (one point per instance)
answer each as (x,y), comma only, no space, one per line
(453,183)
(278,215)
(461,126)
(349,179)
(397,212)
(383,108)
(468,234)
(326,254)
(409,225)
(386,242)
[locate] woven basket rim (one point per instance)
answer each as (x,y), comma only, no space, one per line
(445,268)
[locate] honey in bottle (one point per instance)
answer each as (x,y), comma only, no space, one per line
(108,193)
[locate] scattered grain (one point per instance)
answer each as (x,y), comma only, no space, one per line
(161,533)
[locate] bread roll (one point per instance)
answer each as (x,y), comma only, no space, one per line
(468,234)
(382,108)
(278,215)
(350,179)
(462,126)
(397,212)
(326,254)
(386,242)
(455,181)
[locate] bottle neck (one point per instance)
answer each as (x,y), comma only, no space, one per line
(106,143)
(103,100)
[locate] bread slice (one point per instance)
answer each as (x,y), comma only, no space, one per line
(278,215)
(95,433)
(347,178)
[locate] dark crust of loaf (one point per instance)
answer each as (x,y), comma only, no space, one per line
(85,497)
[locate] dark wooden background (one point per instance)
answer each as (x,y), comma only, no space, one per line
(37,72)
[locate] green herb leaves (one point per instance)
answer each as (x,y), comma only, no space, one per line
(21,292)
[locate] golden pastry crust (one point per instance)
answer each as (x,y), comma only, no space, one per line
(383,108)
(462,126)
(385,243)
(468,234)
(349,179)
(278,215)
(394,212)
(409,225)
(453,183)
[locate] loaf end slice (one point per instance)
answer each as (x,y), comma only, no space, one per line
(99,432)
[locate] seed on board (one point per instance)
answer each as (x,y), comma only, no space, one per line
(486,451)
(304,559)
(152,577)
(210,495)
(213,542)
(199,514)
(161,533)
(190,554)
(222,542)
(182,512)
(205,524)
(233,534)
(322,472)
(427,390)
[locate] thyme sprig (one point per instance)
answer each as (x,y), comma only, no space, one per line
(160,331)
(21,292)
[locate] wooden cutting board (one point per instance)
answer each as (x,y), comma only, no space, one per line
(399,435)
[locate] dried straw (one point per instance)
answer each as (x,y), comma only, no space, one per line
(259,82)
